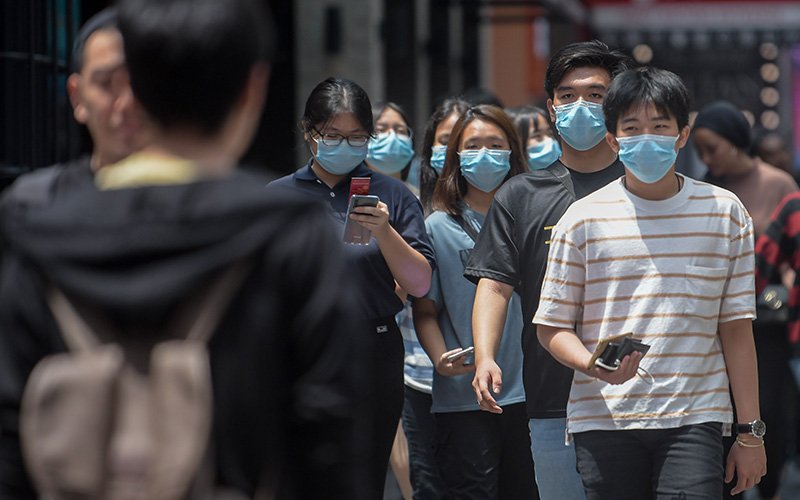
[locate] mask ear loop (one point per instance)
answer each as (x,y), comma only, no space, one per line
(645,375)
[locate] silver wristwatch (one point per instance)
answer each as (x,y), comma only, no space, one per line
(755,428)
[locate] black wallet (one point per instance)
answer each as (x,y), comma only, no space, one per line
(609,352)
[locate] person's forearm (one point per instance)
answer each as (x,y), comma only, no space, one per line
(565,346)
(410,268)
(489,317)
(427,328)
(739,351)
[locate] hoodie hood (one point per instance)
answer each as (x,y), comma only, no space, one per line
(135,252)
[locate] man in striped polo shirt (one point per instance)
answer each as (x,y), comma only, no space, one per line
(669,259)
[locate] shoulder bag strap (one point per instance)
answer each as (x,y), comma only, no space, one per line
(561,173)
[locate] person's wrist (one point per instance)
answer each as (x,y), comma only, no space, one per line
(748,441)
(381,232)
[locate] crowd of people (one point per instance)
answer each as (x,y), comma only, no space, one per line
(542,306)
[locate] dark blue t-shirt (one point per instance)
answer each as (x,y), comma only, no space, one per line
(373,279)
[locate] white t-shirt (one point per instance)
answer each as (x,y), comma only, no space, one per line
(669,271)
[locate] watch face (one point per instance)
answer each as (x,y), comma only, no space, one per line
(759,428)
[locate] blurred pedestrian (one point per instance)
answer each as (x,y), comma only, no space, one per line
(723,139)
(100,94)
(155,230)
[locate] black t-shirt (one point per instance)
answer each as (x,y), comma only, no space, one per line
(512,248)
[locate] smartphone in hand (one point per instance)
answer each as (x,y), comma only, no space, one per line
(460,354)
(355,233)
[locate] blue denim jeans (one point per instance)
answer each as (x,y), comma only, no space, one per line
(419,425)
(662,464)
(556,470)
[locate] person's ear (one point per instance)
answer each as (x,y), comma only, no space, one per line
(683,137)
(79,110)
(611,140)
(551,111)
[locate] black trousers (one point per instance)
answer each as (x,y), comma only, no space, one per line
(382,401)
(485,456)
(662,464)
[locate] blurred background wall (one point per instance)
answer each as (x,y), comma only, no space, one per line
(416,52)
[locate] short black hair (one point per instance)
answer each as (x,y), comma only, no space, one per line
(646,85)
(189,60)
(106,19)
(333,96)
(593,54)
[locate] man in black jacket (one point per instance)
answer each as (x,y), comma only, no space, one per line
(100,94)
(168,218)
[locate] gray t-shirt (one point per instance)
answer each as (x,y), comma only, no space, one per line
(454,295)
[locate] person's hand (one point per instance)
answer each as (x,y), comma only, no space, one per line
(488,379)
(626,371)
(452,368)
(749,465)
(376,219)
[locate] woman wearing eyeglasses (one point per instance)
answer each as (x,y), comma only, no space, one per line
(391,151)
(337,126)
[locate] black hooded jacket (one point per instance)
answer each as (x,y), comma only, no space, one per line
(280,358)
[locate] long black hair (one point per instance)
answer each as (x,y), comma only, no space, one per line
(427,175)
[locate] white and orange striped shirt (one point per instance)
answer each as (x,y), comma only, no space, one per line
(669,271)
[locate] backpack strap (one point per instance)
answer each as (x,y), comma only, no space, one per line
(196,320)
(201,317)
(560,172)
(77,333)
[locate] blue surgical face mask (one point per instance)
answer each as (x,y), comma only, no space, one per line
(542,155)
(581,124)
(438,154)
(389,153)
(341,159)
(648,157)
(485,168)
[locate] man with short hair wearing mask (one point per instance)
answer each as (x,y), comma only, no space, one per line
(511,253)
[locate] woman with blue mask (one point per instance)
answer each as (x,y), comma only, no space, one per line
(473,446)
(434,147)
(536,135)
(418,421)
(337,126)
(391,150)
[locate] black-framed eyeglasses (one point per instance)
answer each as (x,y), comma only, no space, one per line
(357,141)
